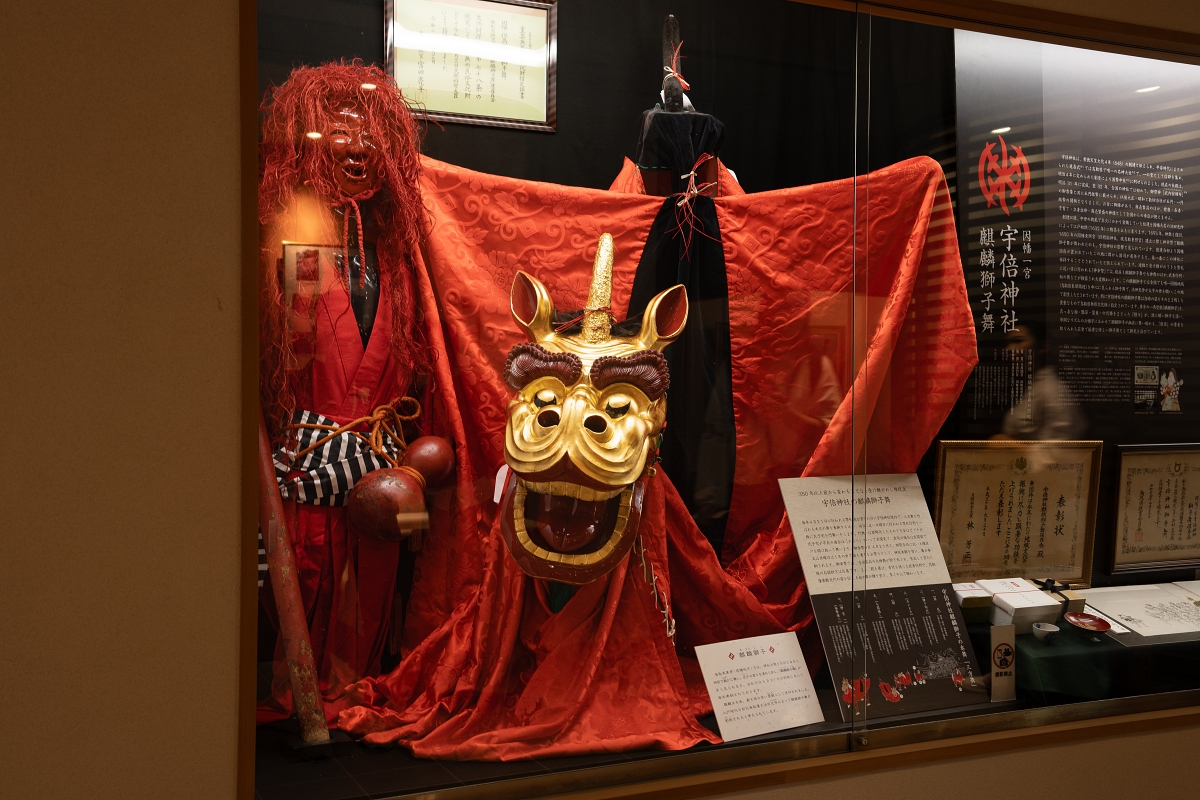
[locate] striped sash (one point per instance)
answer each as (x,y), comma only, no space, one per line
(325,476)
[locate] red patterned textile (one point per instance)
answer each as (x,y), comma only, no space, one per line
(489,672)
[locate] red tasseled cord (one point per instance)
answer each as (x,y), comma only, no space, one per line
(674,69)
(582,314)
(352,203)
(686,219)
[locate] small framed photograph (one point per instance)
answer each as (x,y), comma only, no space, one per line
(478,62)
(1018,509)
(1158,508)
(308,271)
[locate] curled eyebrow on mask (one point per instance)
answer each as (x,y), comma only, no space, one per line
(646,370)
(527,362)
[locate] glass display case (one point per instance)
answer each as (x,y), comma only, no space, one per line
(815,384)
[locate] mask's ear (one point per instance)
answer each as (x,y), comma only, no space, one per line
(664,318)
(531,307)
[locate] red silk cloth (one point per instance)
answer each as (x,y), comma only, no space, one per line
(346,582)
(489,672)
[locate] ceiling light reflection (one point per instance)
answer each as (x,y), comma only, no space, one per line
(439,43)
(1005,129)
(1148,89)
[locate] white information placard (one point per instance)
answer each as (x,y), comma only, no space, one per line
(880,523)
(759,685)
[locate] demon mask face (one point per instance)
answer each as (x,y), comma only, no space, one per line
(583,430)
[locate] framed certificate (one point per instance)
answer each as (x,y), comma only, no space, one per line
(1158,508)
(479,62)
(1023,509)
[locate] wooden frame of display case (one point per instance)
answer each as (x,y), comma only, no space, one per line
(702,773)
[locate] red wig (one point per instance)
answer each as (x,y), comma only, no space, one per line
(291,163)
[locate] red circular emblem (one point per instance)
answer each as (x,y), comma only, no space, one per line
(1003,656)
(1003,176)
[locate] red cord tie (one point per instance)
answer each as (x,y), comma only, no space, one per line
(673,70)
(685,216)
(588,310)
(692,189)
(352,203)
(385,421)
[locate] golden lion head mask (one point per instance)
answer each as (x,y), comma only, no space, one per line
(583,429)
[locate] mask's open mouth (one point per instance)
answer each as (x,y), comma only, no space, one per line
(566,532)
(568,518)
(354,170)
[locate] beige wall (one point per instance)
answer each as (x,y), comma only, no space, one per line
(119,356)
(119,363)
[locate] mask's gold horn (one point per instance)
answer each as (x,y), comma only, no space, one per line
(597,319)
(664,318)
(532,307)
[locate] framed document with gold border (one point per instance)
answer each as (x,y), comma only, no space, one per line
(1007,509)
(479,62)
(1158,508)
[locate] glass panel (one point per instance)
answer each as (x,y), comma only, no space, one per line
(1059,478)
(914,335)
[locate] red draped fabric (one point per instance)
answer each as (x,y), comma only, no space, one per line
(489,672)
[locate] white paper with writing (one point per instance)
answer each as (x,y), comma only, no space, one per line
(759,685)
(1116,626)
(1158,610)
(1156,502)
(880,523)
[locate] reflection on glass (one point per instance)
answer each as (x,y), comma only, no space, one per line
(1046,410)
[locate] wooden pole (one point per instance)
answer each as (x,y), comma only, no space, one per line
(293,627)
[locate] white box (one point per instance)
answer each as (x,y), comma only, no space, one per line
(1022,609)
(1007,585)
(972,595)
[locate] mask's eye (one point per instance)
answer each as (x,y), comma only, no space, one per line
(618,406)
(545,398)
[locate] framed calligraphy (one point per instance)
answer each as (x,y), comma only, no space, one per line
(1158,508)
(478,62)
(1025,509)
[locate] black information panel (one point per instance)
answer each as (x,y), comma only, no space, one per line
(1078,217)
(913,651)
(1078,174)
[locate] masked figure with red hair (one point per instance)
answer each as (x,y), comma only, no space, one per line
(341,339)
